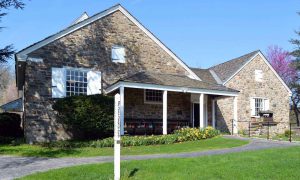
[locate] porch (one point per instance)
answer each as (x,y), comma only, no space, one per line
(151,108)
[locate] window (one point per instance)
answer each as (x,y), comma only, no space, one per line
(258,75)
(258,105)
(118,54)
(76,82)
(153,96)
(68,81)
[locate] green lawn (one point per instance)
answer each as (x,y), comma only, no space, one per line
(38,151)
(281,163)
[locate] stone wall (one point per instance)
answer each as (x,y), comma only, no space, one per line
(224,113)
(270,88)
(88,47)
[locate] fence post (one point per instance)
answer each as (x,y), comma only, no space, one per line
(290,132)
(268,130)
(249,129)
(231,126)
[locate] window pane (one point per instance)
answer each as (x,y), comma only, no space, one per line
(76,82)
(153,95)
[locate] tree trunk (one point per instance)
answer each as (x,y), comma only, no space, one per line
(296,111)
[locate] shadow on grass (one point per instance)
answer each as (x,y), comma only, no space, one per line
(133,172)
(38,152)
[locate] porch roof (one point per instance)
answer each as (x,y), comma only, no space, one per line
(171,82)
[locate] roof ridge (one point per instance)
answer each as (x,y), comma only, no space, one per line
(256,51)
(69,27)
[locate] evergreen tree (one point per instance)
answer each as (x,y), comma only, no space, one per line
(7,51)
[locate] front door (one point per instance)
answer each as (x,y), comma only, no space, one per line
(196,114)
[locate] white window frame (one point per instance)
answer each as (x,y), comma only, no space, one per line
(264,108)
(152,102)
(123,60)
(84,70)
(261,102)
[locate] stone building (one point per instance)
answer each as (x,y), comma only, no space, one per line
(112,52)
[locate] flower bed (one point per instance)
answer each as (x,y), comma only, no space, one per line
(182,135)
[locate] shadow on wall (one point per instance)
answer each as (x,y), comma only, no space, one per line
(89,47)
(220,121)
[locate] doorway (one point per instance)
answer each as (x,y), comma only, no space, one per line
(196,115)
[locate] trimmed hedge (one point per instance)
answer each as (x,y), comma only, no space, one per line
(184,134)
(87,117)
(10,126)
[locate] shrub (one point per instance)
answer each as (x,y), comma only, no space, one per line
(287,133)
(10,125)
(184,134)
(87,117)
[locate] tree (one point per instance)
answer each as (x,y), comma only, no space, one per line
(284,64)
(296,85)
(7,52)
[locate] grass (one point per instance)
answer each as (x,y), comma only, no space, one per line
(281,163)
(38,151)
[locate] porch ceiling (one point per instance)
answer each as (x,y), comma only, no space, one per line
(171,82)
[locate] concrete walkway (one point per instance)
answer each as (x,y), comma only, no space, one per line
(12,167)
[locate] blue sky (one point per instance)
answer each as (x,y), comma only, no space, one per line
(202,33)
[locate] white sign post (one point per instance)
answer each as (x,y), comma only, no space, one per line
(117,138)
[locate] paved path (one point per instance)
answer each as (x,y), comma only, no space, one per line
(12,167)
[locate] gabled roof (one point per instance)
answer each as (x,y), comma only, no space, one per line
(205,75)
(225,70)
(22,55)
(174,80)
(13,106)
(82,17)
(229,69)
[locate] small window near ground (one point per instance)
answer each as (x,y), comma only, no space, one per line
(118,54)
(258,75)
(153,96)
(76,82)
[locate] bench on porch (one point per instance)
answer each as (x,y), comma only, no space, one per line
(151,126)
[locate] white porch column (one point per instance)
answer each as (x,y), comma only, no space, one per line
(235,116)
(201,111)
(165,112)
(122,110)
(213,111)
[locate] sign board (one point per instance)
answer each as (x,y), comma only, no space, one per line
(117,137)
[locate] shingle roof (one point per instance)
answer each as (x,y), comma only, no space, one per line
(228,68)
(174,80)
(204,74)
(13,106)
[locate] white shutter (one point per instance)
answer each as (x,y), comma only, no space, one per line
(58,83)
(94,82)
(252,106)
(118,54)
(267,104)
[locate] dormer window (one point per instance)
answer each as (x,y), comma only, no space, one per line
(118,54)
(258,75)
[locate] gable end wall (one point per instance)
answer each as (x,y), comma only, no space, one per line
(270,88)
(88,47)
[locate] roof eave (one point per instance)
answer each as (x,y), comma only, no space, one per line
(137,85)
(22,55)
